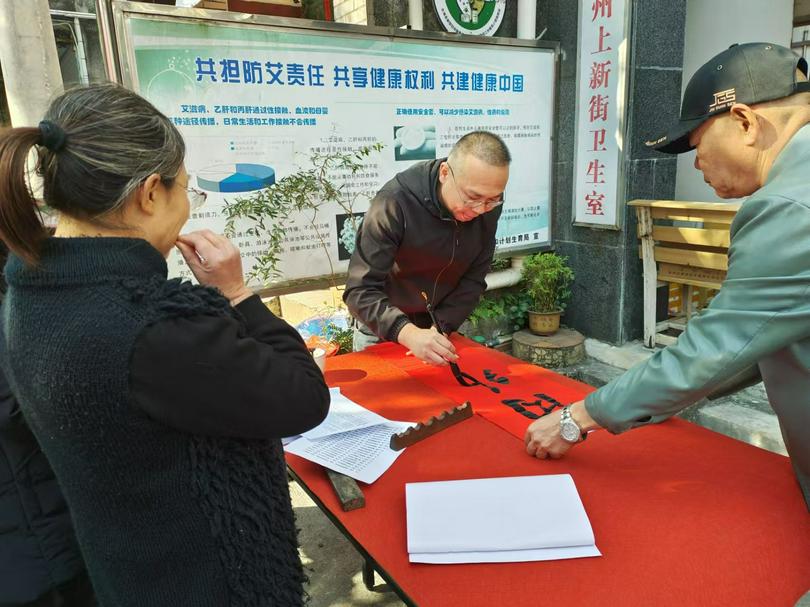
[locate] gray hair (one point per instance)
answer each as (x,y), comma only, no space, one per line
(95,147)
(115,139)
(485,146)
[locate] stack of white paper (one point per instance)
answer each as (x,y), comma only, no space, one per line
(497,520)
(351,440)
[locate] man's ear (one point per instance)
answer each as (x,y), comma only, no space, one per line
(444,172)
(148,192)
(747,120)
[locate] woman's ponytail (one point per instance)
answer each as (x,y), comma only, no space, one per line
(20,224)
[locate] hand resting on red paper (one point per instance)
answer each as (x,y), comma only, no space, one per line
(543,438)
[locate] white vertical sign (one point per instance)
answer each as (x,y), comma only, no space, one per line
(600,111)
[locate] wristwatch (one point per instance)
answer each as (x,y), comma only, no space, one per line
(569,430)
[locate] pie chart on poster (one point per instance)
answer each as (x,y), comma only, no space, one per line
(238,177)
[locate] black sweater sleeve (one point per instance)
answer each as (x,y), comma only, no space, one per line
(198,375)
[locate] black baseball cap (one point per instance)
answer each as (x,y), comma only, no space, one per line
(744,73)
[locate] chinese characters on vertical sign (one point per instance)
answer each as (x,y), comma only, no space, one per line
(599,112)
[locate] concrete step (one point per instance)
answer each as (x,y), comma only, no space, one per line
(744,423)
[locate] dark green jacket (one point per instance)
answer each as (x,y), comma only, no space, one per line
(760,316)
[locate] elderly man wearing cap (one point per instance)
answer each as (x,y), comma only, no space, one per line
(747,113)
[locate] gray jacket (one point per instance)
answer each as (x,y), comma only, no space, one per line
(760,316)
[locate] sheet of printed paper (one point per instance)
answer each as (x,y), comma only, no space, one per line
(344,415)
(363,454)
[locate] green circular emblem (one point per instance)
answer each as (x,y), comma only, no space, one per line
(477,17)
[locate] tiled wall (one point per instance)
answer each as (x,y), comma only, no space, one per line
(350,11)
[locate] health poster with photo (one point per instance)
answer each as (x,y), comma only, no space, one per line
(253,102)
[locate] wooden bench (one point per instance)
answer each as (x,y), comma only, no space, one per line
(693,255)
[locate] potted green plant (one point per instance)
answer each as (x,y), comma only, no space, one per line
(488,320)
(547,279)
(517,305)
(497,314)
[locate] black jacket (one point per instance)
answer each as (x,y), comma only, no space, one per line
(160,408)
(38,549)
(409,243)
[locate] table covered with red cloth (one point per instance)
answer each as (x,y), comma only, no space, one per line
(682,515)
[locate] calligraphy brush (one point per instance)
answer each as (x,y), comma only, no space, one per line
(465,379)
(432,316)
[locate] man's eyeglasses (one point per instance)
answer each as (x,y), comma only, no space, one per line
(486,205)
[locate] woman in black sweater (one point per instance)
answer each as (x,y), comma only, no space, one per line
(160,404)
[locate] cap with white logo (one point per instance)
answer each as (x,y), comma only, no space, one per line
(744,73)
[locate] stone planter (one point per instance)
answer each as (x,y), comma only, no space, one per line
(544,323)
(563,349)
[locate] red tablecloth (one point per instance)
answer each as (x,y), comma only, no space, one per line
(682,515)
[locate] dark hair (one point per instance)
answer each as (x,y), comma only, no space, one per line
(485,146)
(108,141)
(3,285)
